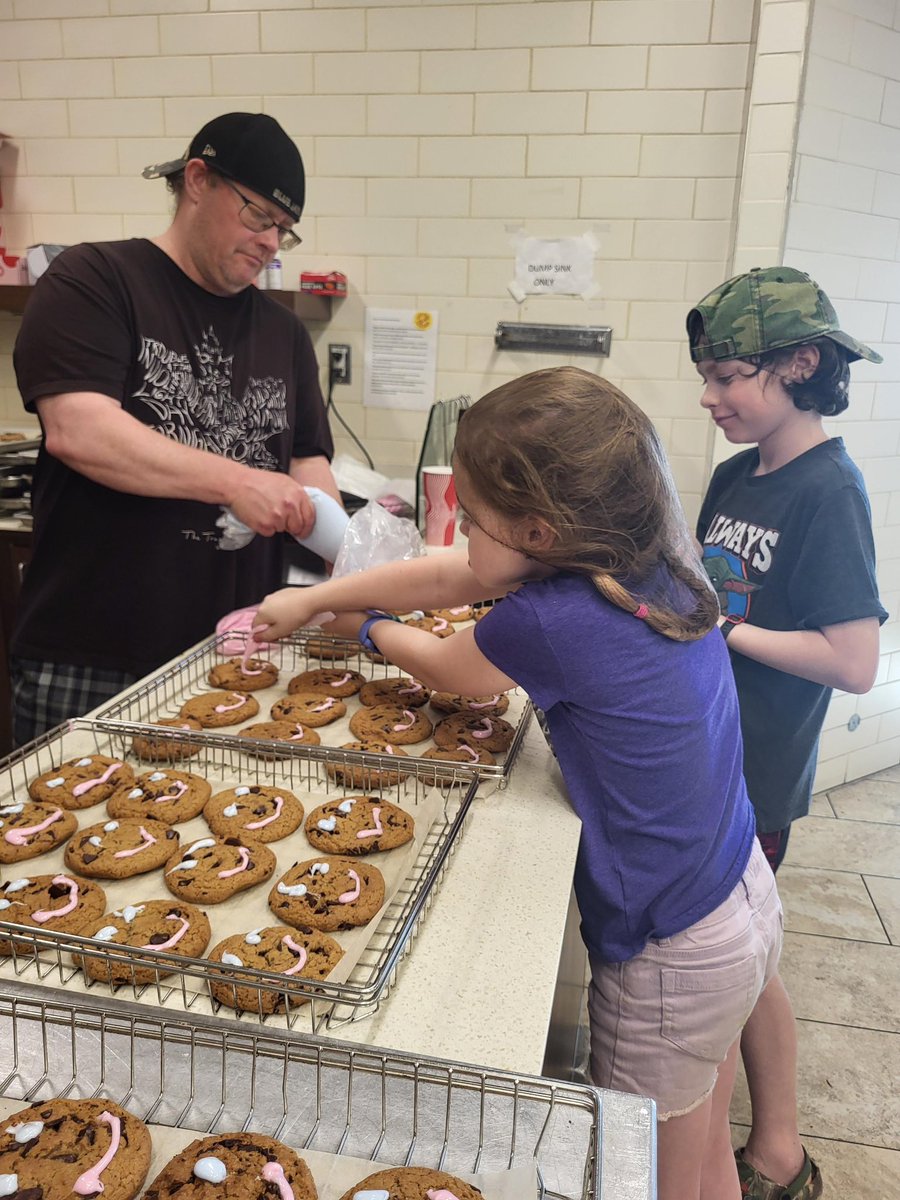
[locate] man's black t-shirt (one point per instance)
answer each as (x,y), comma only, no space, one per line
(126,581)
(791,549)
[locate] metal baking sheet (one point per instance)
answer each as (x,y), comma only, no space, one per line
(372,954)
(163,694)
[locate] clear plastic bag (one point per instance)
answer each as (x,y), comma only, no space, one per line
(374,536)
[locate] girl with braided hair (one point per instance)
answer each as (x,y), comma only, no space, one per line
(608,621)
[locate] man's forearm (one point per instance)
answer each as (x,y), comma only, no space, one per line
(316,472)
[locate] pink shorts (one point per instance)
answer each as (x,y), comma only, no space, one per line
(662,1022)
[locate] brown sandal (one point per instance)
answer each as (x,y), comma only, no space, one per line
(807,1185)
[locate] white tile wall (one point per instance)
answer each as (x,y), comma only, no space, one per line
(432,131)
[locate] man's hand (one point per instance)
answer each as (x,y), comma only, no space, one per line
(272,502)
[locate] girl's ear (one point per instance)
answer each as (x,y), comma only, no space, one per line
(804,363)
(535,535)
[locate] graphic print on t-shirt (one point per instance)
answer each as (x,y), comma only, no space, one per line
(730,549)
(202,410)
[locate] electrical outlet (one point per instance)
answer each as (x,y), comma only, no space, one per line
(339,363)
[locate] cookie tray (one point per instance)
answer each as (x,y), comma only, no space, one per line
(45,955)
(162,695)
(210,1075)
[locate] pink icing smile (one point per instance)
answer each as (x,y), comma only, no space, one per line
(272,1172)
(178,790)
(325,705)
(279,805)
(401,728)
(19,837)
(246,669)
(411,690)
(148,840)
(485,703)
(88,1183)
(288,941)
(299,735)
(49,913)
(439,625)
(349,897)
(220,708)
(175,938)
(81,788)
(377,831)
(245,860)
(440,1194)
(468,750)
(485,731)
(341,682)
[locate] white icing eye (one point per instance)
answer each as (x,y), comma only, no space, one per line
(157,776)
(9,1185)
(12,808)
(106,934)
(297,889)
(242,791)
(84,762)
(135,793)
(346,806)
(26,1131)
(17,885)
(212,1169)
(327,825)
(95,841)
(253,938)
(130,911)
(230,811)
(372,1194)
(55,782)
(319,869)
(231,960)
(201,845)
(111,826)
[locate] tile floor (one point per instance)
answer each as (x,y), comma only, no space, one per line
(840,887)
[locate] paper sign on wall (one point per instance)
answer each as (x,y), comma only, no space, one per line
(554,266)
(400,357)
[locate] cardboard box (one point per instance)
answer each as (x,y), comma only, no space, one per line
(39,258)
(324,283)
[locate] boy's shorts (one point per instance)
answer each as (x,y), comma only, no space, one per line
(662,1022)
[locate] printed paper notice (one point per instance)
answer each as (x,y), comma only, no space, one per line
(554,266)
(400,358)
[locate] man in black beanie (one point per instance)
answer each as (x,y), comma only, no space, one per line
(168,388)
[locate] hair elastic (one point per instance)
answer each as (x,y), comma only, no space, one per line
(641,612)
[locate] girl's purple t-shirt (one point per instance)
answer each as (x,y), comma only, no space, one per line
(647,735)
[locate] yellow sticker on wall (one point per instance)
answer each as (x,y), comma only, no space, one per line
(422,320)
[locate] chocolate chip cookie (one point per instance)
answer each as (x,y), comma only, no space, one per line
(465,756)
(358,825)
(436,625)
(150,748)
(361,775)
(29,828)
(61,903)
(412,1183)
(252,810)
(401,691)
(81,782)
(212,869)
(251,676)
(328,893)
(307,954)
(120,849)
(57,1149)
(290,732)
(327,681)
(330,651)
(390,722)
(470,729)
(234,1166)
(175,927)
(164,795)
(216,709)
(309,709)
(484,706)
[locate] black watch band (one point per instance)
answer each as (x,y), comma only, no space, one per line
(729,623)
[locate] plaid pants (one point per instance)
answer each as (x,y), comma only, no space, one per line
(45,694)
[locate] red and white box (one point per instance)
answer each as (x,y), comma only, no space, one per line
(324,283)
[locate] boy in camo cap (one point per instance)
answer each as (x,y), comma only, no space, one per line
(786,534)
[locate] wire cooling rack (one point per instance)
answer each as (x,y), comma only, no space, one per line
(163,694)
(211,1076)
(186,983)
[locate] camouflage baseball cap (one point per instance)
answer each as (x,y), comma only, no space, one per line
(768,308)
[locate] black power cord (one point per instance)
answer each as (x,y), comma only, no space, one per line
(332,407)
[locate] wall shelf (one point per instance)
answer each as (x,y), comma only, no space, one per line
(14,297)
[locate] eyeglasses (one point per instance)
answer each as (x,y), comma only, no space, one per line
(253,217)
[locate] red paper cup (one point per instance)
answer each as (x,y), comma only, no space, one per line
(440,505)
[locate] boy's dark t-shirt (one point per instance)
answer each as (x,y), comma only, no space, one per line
(792,549)
(126,581)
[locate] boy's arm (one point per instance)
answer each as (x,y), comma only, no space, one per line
(452,664)
(844,656)
(433,581)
